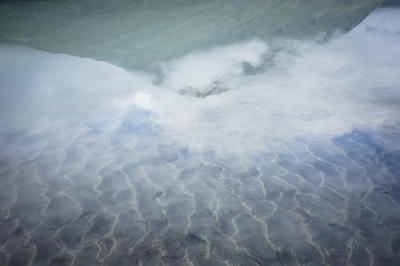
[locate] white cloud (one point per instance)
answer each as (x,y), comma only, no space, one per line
(307,89)
(200,71)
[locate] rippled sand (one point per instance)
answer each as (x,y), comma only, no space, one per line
(105,200)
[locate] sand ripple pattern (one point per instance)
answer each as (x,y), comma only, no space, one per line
(119,200)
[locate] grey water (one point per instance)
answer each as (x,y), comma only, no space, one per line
(199,132)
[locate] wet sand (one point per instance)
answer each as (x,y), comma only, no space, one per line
(116,200)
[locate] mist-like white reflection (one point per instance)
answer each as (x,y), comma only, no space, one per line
(247,92)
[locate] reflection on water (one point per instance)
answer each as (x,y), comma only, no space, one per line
(140,33)
(296,159)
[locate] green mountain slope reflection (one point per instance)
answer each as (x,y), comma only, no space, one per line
(139,34)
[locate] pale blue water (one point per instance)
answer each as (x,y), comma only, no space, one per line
(259,151)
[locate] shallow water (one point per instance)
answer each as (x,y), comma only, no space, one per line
(138,34)
(101,200)
(241,154)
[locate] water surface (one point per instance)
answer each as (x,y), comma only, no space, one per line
(252,152)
